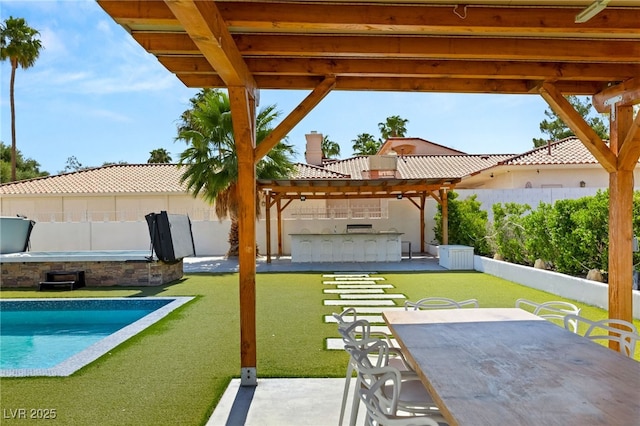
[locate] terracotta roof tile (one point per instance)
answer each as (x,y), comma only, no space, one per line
(119,178)
(418,166)
(565,151)
(165,178)
(352,167)
(308,171)
(445,166)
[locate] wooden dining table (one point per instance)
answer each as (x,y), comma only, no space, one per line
(506,366)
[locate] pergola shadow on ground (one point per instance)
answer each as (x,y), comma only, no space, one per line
(283,402)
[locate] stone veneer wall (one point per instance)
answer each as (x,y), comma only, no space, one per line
(97,274)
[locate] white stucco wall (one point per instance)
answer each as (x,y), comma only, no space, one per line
(91,223)
(541,176)
(586,291)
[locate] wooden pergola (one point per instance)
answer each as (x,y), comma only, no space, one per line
(280,193)
(549,48)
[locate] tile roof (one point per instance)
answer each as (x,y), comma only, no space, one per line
(165,178)
(395,141)
(446,166)
(308,171)
(565,151)
(117,178)
(414,166)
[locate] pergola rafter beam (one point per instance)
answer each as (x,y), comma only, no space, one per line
(363,67)
(376,188)
(401,83)
(397,19)
(421,47)
(414,18)
(406,47)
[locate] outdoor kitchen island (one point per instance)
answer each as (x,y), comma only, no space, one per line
(359,244)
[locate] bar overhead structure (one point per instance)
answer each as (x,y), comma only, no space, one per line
(415,190)
(548,48)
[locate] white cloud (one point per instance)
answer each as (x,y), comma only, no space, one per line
(104,27)
(109,115)
(51,43)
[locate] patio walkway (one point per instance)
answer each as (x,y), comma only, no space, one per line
(220,264)
(298,401)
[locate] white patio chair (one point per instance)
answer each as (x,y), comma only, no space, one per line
(374,400)
(409,396)
(620,331)
(554,311)
(358,333)
(347,316)
(439,303)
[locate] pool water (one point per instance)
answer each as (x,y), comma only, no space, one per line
(39,335)
(43,339)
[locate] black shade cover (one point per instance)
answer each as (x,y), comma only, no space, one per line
(171,236)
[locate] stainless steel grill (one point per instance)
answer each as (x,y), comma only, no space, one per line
(360,228)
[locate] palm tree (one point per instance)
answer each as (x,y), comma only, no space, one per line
(365,144)
(330,149)
(393,127)
(159,155)
(19,44)
(210,161)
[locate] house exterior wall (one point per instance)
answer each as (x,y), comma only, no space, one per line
(111,222)
(593,176)
(409,146)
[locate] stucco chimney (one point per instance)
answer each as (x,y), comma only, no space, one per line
(313,155)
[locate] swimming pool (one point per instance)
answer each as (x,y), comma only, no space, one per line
(56,337)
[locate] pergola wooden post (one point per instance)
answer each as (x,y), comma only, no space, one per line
(420,206)
(243,112)
(619,159)
(444,202)
(267,207)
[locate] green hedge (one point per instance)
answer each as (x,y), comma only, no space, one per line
(467,223)
(571,236)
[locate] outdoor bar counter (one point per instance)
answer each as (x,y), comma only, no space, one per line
(349,247)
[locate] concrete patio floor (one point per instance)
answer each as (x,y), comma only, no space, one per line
(292,401)
(283,402)
(220,264)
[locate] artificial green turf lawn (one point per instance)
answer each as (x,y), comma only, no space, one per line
(175,372)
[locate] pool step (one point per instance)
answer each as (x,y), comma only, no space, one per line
(56,279)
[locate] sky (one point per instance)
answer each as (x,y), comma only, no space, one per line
(96,95)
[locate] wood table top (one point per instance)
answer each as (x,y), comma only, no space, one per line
(509,367)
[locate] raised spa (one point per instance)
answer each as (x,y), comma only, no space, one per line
(102,268)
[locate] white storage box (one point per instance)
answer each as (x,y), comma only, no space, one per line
(456,257)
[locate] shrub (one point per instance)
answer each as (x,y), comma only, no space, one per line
(509,232)
(538,244)
(579,232)
(467,223)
